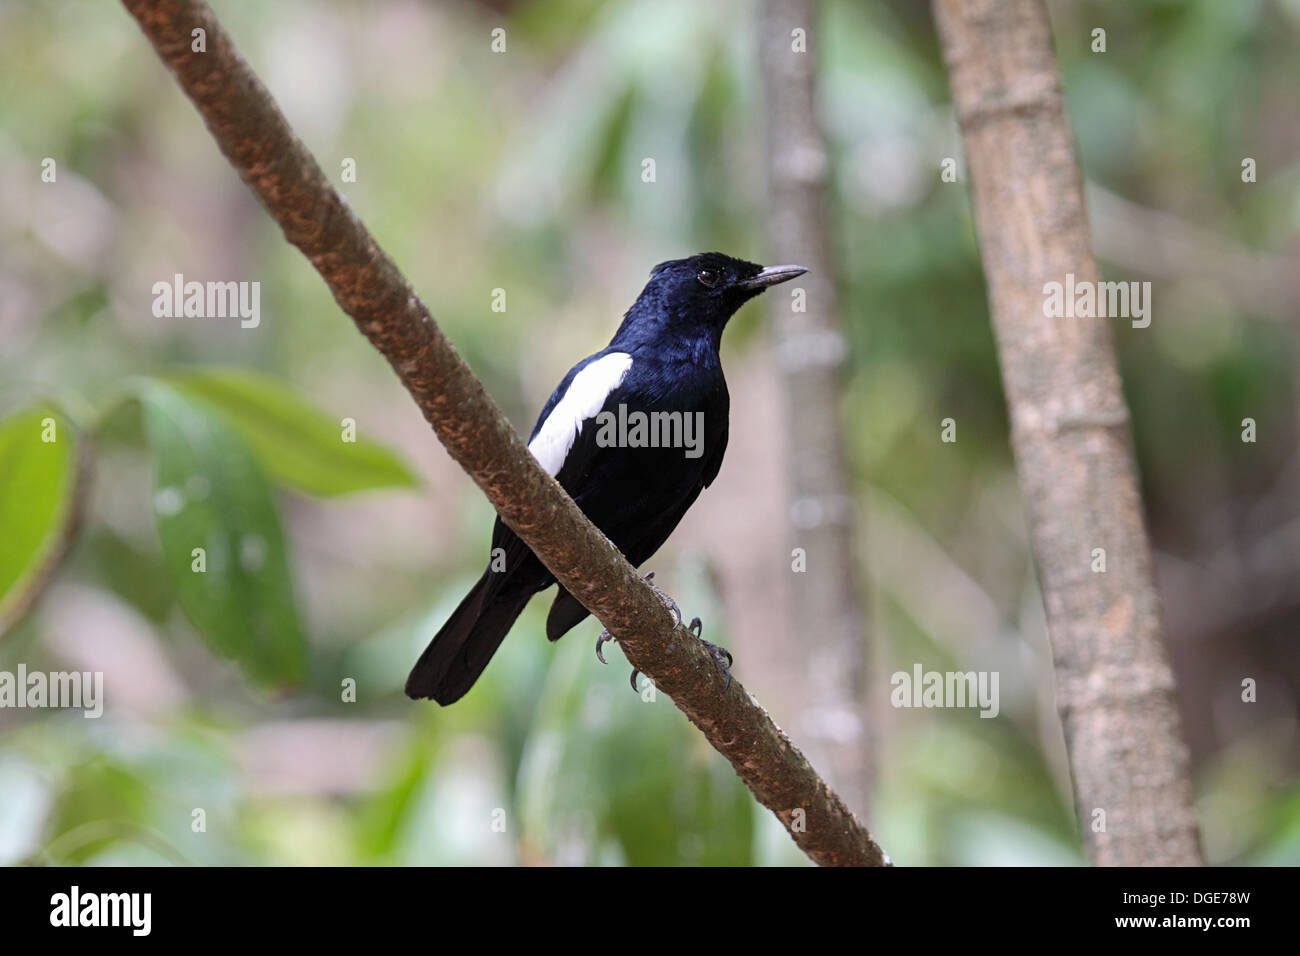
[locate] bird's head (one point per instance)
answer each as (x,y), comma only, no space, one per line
(708,288)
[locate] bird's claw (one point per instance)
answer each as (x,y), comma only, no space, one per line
(604,638)
(608,638)
(720,654)
(668,602)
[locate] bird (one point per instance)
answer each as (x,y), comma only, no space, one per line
(663,361)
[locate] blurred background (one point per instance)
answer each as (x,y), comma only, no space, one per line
(522,171)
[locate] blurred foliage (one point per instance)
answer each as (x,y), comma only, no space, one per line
(38,478)
(221,539)
(480,171)
(296,444)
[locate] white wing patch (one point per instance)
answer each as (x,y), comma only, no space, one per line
(584,399)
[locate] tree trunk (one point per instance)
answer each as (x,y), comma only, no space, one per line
(825,610)
(1069,425)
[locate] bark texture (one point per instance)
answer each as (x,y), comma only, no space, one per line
(1069,423)
(257,140)
(825,608)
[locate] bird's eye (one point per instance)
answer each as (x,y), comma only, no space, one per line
(707,277)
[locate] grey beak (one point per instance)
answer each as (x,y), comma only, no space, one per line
(773,275)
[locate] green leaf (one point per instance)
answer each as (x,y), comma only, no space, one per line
(136,574)
(211,494)
(38,495)
(296,444)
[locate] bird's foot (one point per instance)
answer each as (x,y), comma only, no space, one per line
(668,602)
(607,638)
(672,607)
(721,656)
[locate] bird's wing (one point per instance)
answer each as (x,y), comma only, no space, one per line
(579,398)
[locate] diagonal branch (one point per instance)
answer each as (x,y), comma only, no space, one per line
(259,144)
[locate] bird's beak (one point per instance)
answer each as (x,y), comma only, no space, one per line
(773,275)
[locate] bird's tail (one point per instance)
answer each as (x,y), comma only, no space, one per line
(461,650)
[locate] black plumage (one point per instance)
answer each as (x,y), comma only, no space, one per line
(663,358)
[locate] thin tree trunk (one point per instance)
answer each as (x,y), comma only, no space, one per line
(825,609)
(1069,424)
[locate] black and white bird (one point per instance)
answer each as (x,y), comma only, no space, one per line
(663,359)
